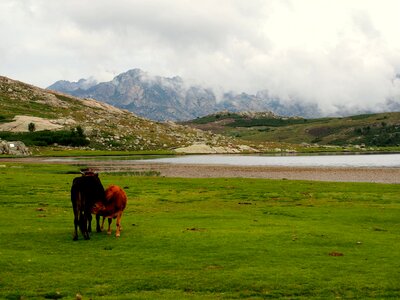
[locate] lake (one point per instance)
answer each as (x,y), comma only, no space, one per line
(342,160)
(320,160)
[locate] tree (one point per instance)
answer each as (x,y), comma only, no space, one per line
(79,131)
(31,127)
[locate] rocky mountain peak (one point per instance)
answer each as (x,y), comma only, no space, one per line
(134,74)
(171,98)
(68,86)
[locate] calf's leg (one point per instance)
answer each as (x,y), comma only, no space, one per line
(102,223)
(118,232)
(109,226)
(98,228)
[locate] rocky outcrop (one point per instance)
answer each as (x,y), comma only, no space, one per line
(205,149)
(14,148)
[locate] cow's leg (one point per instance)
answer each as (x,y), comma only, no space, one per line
(83,216)
(76,224)
(102,223)
(109,226)
(76,202)
(118,232)
(98,228)
(83,223)
(89,220)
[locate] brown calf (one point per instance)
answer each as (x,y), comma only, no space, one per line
(112,207)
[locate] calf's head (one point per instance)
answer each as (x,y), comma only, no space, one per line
(98,207)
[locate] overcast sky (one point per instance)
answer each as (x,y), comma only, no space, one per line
(333,52)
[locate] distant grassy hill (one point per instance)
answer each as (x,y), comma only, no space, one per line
(379,130)
(42,118)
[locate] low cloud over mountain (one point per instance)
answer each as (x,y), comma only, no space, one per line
(171,98)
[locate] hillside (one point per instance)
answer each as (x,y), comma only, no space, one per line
(371,130)
(61,119)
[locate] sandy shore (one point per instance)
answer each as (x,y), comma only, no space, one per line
(380,175)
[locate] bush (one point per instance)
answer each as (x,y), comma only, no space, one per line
(74,137)
(31,127)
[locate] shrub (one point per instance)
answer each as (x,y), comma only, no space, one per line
(31,127)
(75,137)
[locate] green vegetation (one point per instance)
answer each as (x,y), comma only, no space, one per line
(63,98)
(379,135)
(370,130)
(271,122)
(10,107)
(74,137)
(4,119)
(60,152)
(214,118)
(200,239)
(238,120)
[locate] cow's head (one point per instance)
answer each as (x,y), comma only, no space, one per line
(89,172)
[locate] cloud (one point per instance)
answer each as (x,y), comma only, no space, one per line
(334,53)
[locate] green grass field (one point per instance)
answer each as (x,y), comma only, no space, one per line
(200,239)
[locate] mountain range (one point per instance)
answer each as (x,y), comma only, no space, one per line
(162,98)
(171,98)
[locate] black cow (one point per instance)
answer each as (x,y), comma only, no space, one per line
(85,192)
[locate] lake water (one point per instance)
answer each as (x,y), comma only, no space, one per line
(362,160)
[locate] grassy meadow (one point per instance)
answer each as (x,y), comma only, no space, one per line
(200,239)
